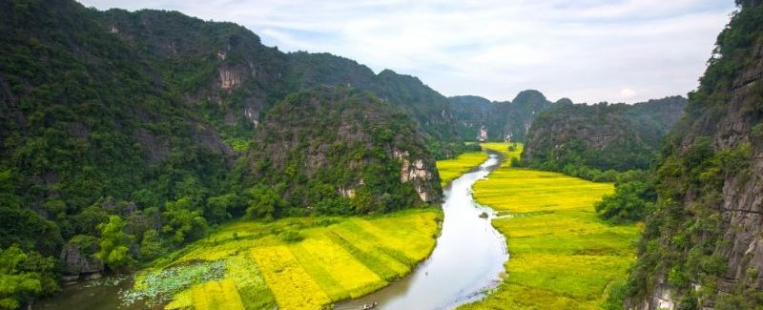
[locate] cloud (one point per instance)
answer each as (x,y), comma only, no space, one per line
(584,49)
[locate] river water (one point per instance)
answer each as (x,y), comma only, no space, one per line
(467,260)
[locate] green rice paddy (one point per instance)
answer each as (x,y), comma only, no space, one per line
(563,256)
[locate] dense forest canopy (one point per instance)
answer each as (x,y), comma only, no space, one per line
(601,136)
(124,135)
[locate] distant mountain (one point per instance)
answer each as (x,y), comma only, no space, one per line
(603,136)
(428,107)
(473,113)
(224,70)
(502,120)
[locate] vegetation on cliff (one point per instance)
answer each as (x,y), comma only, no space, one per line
(602,136)
(701,243)
(341,151)
(126,135)
(502,120)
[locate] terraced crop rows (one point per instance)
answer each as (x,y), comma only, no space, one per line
(339,258)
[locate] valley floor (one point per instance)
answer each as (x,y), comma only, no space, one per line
(451,169)
(562,255)
(294,263)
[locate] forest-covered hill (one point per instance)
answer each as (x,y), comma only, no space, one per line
(601,136)
(503,121)
(124,135)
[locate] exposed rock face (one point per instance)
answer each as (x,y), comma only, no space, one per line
(419,174)
(349,142)
(78,264)
(724,119)
(229,78)
(482,137)
(499,119)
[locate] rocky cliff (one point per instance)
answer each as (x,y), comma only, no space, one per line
(703,245)
(352,146)
(504,121)
(603,136)
(177,119)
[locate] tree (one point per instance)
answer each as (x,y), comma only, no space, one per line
(151,245)
(221,208)
(629,203)
(185,223)
(263,202)
(24,276)
(115,244)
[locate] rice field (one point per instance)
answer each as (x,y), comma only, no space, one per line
(245,265)
(450,169)
(562,255)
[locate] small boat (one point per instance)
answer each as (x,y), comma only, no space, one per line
(369,306)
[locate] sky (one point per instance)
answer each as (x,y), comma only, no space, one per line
(585,50)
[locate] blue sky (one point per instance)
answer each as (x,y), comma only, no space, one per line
(587,50)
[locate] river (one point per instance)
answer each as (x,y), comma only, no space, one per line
(467,261)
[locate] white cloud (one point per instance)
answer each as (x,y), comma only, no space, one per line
(586,50)
(627,93)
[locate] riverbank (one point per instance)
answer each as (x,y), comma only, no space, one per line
(562,255)
(450,169)
(467,261)
(294,263)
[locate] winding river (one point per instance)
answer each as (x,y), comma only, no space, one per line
(467,260)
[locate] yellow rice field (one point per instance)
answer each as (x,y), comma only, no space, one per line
(338,258)
(450,169)
(562,255)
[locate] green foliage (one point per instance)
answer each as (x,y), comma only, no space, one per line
(134,123)
(499,118)
(24,276)
(600,137)
(343,158)
(184,221)
(757,131)
(693,233)
(151,245)
(630,202)
(263,202)
(159,286)
(291,236)
(221,208)
(616,296)
(115,244)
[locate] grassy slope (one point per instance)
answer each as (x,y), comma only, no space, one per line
(562,255)
(338,258)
